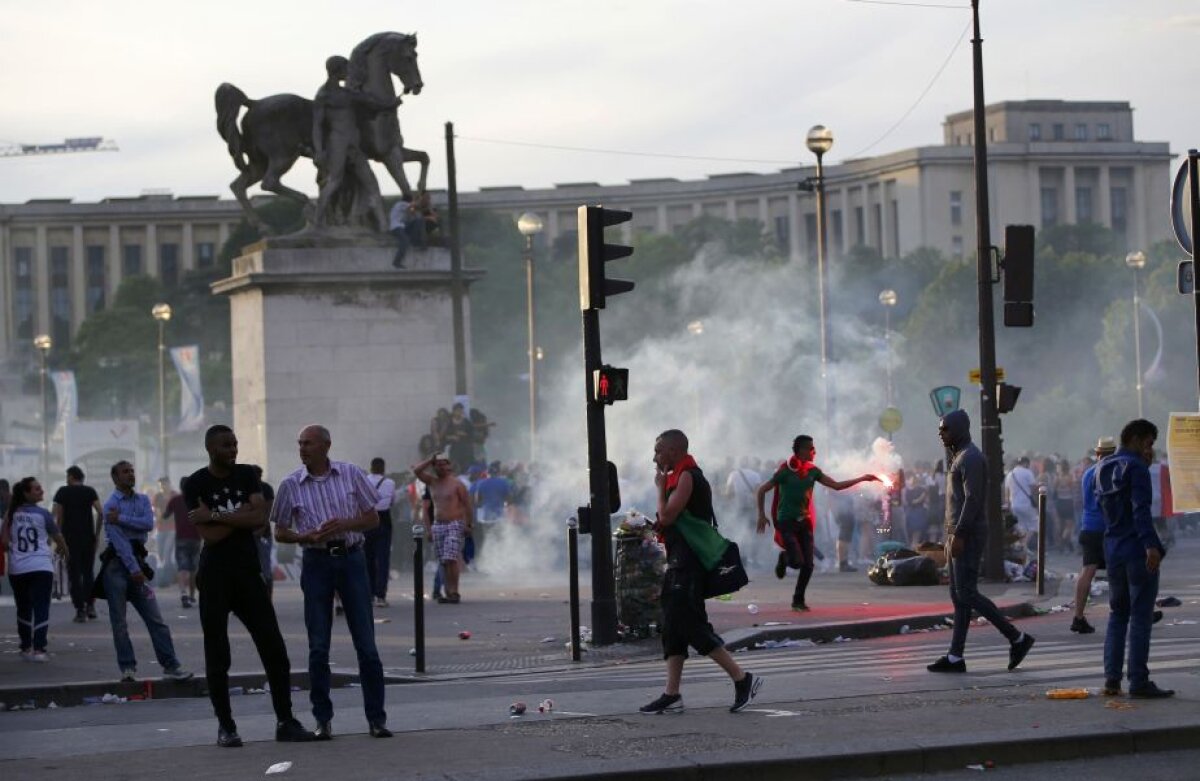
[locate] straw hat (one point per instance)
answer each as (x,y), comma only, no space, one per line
(1106,445)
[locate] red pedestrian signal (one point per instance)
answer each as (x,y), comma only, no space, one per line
(611,384)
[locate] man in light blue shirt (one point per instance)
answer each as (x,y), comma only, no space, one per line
(128,518)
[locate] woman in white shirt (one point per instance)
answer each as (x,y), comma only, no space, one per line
(26,534)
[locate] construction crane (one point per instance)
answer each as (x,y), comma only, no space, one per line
(68,146)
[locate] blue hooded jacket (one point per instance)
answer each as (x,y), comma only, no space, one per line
(1124,492)
(966,480)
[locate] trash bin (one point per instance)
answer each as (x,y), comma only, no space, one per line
(638,567)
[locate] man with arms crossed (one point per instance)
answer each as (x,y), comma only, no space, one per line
(325,506)
(453,517)
(226,505)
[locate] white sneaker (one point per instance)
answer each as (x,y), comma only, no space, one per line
(27,656)
(40,657)
(128,675)
(178,674)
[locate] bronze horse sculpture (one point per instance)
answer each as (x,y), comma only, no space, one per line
(278,130)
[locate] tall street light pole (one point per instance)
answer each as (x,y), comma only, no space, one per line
(887,299)
(530,225)
(162,313)
(989,423)
(696,329)
(43,343)
(1137,261)
(819,141)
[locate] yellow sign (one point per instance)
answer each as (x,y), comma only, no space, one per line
(890,420)
(975,377)
(1183,453)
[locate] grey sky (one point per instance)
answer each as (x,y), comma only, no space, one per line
(686,77)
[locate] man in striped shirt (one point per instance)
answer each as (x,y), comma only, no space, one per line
(325,506)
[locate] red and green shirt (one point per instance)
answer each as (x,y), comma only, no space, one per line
(795,481)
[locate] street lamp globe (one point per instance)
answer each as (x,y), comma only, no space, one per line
(888,298)
(1136,260)
(43,342)
(696,327)
(529,224)
(819,140)
(161,312)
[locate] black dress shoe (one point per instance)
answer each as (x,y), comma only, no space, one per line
(944,665)
(228,738)
(1017,651)
(380,731)
(324,731)
(1150,691)
(291,731)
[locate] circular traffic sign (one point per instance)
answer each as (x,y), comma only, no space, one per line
(890,420)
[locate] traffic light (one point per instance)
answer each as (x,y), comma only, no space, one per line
(1018,276)
(1006,397)
(594,286)
(611,384)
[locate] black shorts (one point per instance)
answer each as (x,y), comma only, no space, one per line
(1093,548)
(685,620)
(846,523)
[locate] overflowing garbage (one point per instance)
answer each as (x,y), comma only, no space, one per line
(639,566)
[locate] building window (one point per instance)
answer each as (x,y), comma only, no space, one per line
(60,295)
(1081,132)
(877,227)
(835,227)
(991,135)
(956,247)
(23,293)
(206,254)
(1058,131)
(1035,132)
(783,233)
(1104,132)
(956,207)
(810,234)
(96,280)
(1083,205)
(1049,207)
(168,265)
(895,226)
(860,227)
(131,260)
(1120,209)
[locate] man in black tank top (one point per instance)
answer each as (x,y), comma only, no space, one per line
(682,486)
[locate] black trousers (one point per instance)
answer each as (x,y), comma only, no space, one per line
(798,550)
(240,589)
(81,570)
(377,548)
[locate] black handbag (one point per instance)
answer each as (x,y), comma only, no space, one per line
(728,576)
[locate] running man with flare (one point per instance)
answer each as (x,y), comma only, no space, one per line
(795,514)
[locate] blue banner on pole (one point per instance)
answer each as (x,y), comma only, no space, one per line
(945,399)
(191,394)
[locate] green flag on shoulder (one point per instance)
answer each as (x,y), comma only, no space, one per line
(703,538)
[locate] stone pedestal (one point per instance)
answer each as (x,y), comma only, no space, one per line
(327,332)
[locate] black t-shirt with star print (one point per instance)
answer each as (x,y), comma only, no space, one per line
(226,494)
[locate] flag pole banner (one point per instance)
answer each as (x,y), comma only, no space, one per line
(191,394)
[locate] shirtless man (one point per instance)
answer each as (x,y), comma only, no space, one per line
(453,517)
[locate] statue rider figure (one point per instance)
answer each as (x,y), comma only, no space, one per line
(347,183)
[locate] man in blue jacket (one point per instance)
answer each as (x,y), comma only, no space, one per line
(966,537)
(1133,552)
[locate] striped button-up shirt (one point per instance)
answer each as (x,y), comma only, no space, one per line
(305,501)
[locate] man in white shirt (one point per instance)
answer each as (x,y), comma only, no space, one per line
(1021,487)
(740,487)
(377,546)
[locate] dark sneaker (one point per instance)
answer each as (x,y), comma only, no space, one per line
(1018,650)
(1158,614)
(91,612)
(1111,688)
(380,731)
(781,566)
(80,616)
(291,731)
(228,737)
(845,566)
(1168,602)
(453,599)
(666,703)
(944,665)
(744,691)
(178,674)
(1150,691)
(324,731)
(800,607)
(1080,624)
